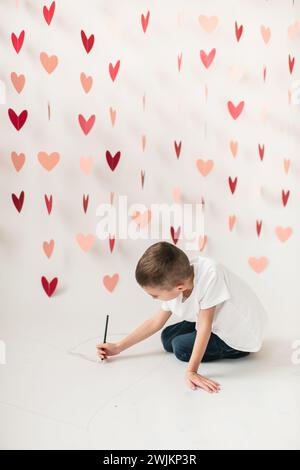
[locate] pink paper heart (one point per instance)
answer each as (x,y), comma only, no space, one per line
(18,160)
(110,282)
(283,233)
(48,248)
(48,161)
(85,241)
(258,264)
(204,167)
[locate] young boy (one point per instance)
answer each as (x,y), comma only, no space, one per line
(221,317)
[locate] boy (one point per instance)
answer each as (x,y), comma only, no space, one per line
(221,317)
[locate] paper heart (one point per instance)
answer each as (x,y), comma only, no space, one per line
(235,110)
(110,282)
(266,33)
(49,287)
(283,233)
(86,164)
(85,241)
(144,141)
(286,165)
(49,12)
(87,42)
(207,59)
(112,160)
(86,125)
(179,61)
(258,264)
(208,23)
(18,81)
(85,202)
(18,41)
(285,197)
(232,184)
(48,160)
(113,114)
(145,21)
(18,160)
(111,243)
(177,148)
(293,30)
(142,178)
(238,31)
(233,147)
(86,82)
(18,201)
(17,121)
(291,63)
(231,222)
(142,218)
(202,242)
(204,167)
(176,195)
(48,62)
(48,248)
(49,202)
(175,234)
(258,227)
(261,151)
(113,70)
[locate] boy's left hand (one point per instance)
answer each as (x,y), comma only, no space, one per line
(194,380)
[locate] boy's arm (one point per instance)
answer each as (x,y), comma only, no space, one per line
(203,334)
(146,329)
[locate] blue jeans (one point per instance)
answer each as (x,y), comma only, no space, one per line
(180,337)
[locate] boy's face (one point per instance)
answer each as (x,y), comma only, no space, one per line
(163,294)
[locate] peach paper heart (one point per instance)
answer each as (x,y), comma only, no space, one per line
(48,62)
(18,81)
(48,160)
(86,164)
(86,82)
(110,282)
(204,167)
(48,248)
(283,233)
(18,160)
(208,23)
(258,264)
(85,241)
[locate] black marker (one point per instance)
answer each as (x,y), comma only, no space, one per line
(104,341)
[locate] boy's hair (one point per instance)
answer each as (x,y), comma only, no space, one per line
(163,265)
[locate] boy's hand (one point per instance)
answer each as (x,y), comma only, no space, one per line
(194,380)
(107,349)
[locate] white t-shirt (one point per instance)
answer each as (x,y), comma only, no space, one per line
(239,318)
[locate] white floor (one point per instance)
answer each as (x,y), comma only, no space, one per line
(55,398)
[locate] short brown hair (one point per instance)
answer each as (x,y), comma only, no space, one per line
(163,265)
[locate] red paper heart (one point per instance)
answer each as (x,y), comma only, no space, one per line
(207,58)
(261,151)
(112,161)
(49,287)
(85,202)
(285,197)
(113,70)
(232,184)
(17,121)
(48,202)
(18,41)
(111,243)
(86,125)
(145,21)
(238,31)
(49,12)
(142,178)
(291,63)
(258,227)
(175,234)
(235,111)
(87,42)
(177,148)
(18,201)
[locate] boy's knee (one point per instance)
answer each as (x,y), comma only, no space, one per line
(179,351)
(165,340)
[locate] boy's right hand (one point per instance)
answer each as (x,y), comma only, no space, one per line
(107,349)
